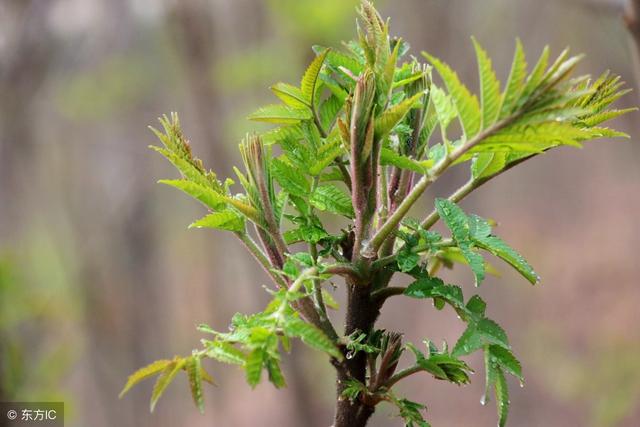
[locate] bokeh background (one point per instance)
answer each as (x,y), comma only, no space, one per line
(99,275)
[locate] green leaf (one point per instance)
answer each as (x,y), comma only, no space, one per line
(433,369)
(225,352)
(310,233)
(312,336)
(455,370)
(144,373)
(454,218)
(476,306)
(275,373)
(329,110)
(164,379)
(253,366)
(456,221)
(407,260)
(434,287)
(499,248)
(209,197)
(492,333)
(225,220)
(477,335)
(280,114)
(194,372)
(515,83)
(330,198)
(469,341)
(603,116)
(338,60)
(502,398)
(490,369)
(390,157)
(537,75)
(290,179)
(334,86)
(506,360)
(443,105)
(187,168)
(327,154)
(482,238)
(410,412)
(290,95)
(533,139)
(466,103)
(422,287)
(310,78)
(392,116)
(490,96)
(405,81)
(487,164)
(353,389)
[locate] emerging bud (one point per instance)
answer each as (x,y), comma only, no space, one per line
(252,151)
(361,111)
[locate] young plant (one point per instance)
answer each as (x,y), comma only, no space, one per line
(361,138)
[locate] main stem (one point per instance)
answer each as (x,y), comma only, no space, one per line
(362,314)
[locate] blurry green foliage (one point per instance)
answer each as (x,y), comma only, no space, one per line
(296,24)
(112,87)
(320,21)
(252,67)
(37,309)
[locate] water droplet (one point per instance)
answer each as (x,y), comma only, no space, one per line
(483,400)
(521,384)
(350,355)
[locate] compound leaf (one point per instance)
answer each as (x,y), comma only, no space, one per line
(280,114)
(490,96)
(164,379)
(466,103)
(144,373)
(194,372)
(330,198)
(225,220)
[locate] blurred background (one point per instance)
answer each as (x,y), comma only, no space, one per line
(99,275)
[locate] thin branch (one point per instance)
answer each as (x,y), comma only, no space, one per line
(304,305)
(317,288)
(384,293)
(469,187)
(402,374)
(346,177)
(426,180)
(316,120)
(459,194)
(261,258)
(345,270)
(382,262)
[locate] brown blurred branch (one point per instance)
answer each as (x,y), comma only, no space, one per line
(631,18)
